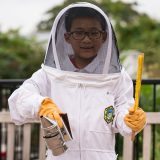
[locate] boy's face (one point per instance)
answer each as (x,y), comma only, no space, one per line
(86,37)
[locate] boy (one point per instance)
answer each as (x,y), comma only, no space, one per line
(81,76)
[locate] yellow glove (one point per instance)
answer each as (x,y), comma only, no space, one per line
(49,109)
(136,120)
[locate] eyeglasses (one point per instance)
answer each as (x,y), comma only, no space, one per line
(80,35)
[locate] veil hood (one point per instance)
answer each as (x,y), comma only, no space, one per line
(58,50)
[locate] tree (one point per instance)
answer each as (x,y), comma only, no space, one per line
(19,56)
(134,30)
(143,35)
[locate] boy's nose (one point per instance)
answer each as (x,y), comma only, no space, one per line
(86,38)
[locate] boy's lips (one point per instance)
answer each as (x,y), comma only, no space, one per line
(87,47)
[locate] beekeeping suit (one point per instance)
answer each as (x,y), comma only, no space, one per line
(86,95)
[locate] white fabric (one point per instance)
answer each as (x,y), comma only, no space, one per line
(84,98)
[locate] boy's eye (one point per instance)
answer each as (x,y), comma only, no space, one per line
(79,33)
(94,33)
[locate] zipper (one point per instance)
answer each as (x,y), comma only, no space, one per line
(80,86)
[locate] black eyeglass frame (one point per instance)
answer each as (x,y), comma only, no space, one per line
(89,34)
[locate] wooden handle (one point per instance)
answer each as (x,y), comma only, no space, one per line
(138,86)
(138,81)
(133,136)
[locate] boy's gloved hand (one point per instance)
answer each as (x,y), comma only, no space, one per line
(136,120)
(49,109)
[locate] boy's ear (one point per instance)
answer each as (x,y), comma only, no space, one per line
(67,37)
(104,36)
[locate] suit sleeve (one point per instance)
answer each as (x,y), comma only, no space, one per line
(123,101)
(25,101)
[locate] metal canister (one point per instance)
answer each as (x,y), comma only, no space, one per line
(55,137)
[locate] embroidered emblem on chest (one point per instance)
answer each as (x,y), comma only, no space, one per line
(109,114)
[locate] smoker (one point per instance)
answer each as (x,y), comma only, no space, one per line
(56,137)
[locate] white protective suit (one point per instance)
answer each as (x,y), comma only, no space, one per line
(83,96)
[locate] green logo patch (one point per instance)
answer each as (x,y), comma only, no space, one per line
(109,114)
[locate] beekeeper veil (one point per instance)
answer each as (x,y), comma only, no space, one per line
(59,51)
